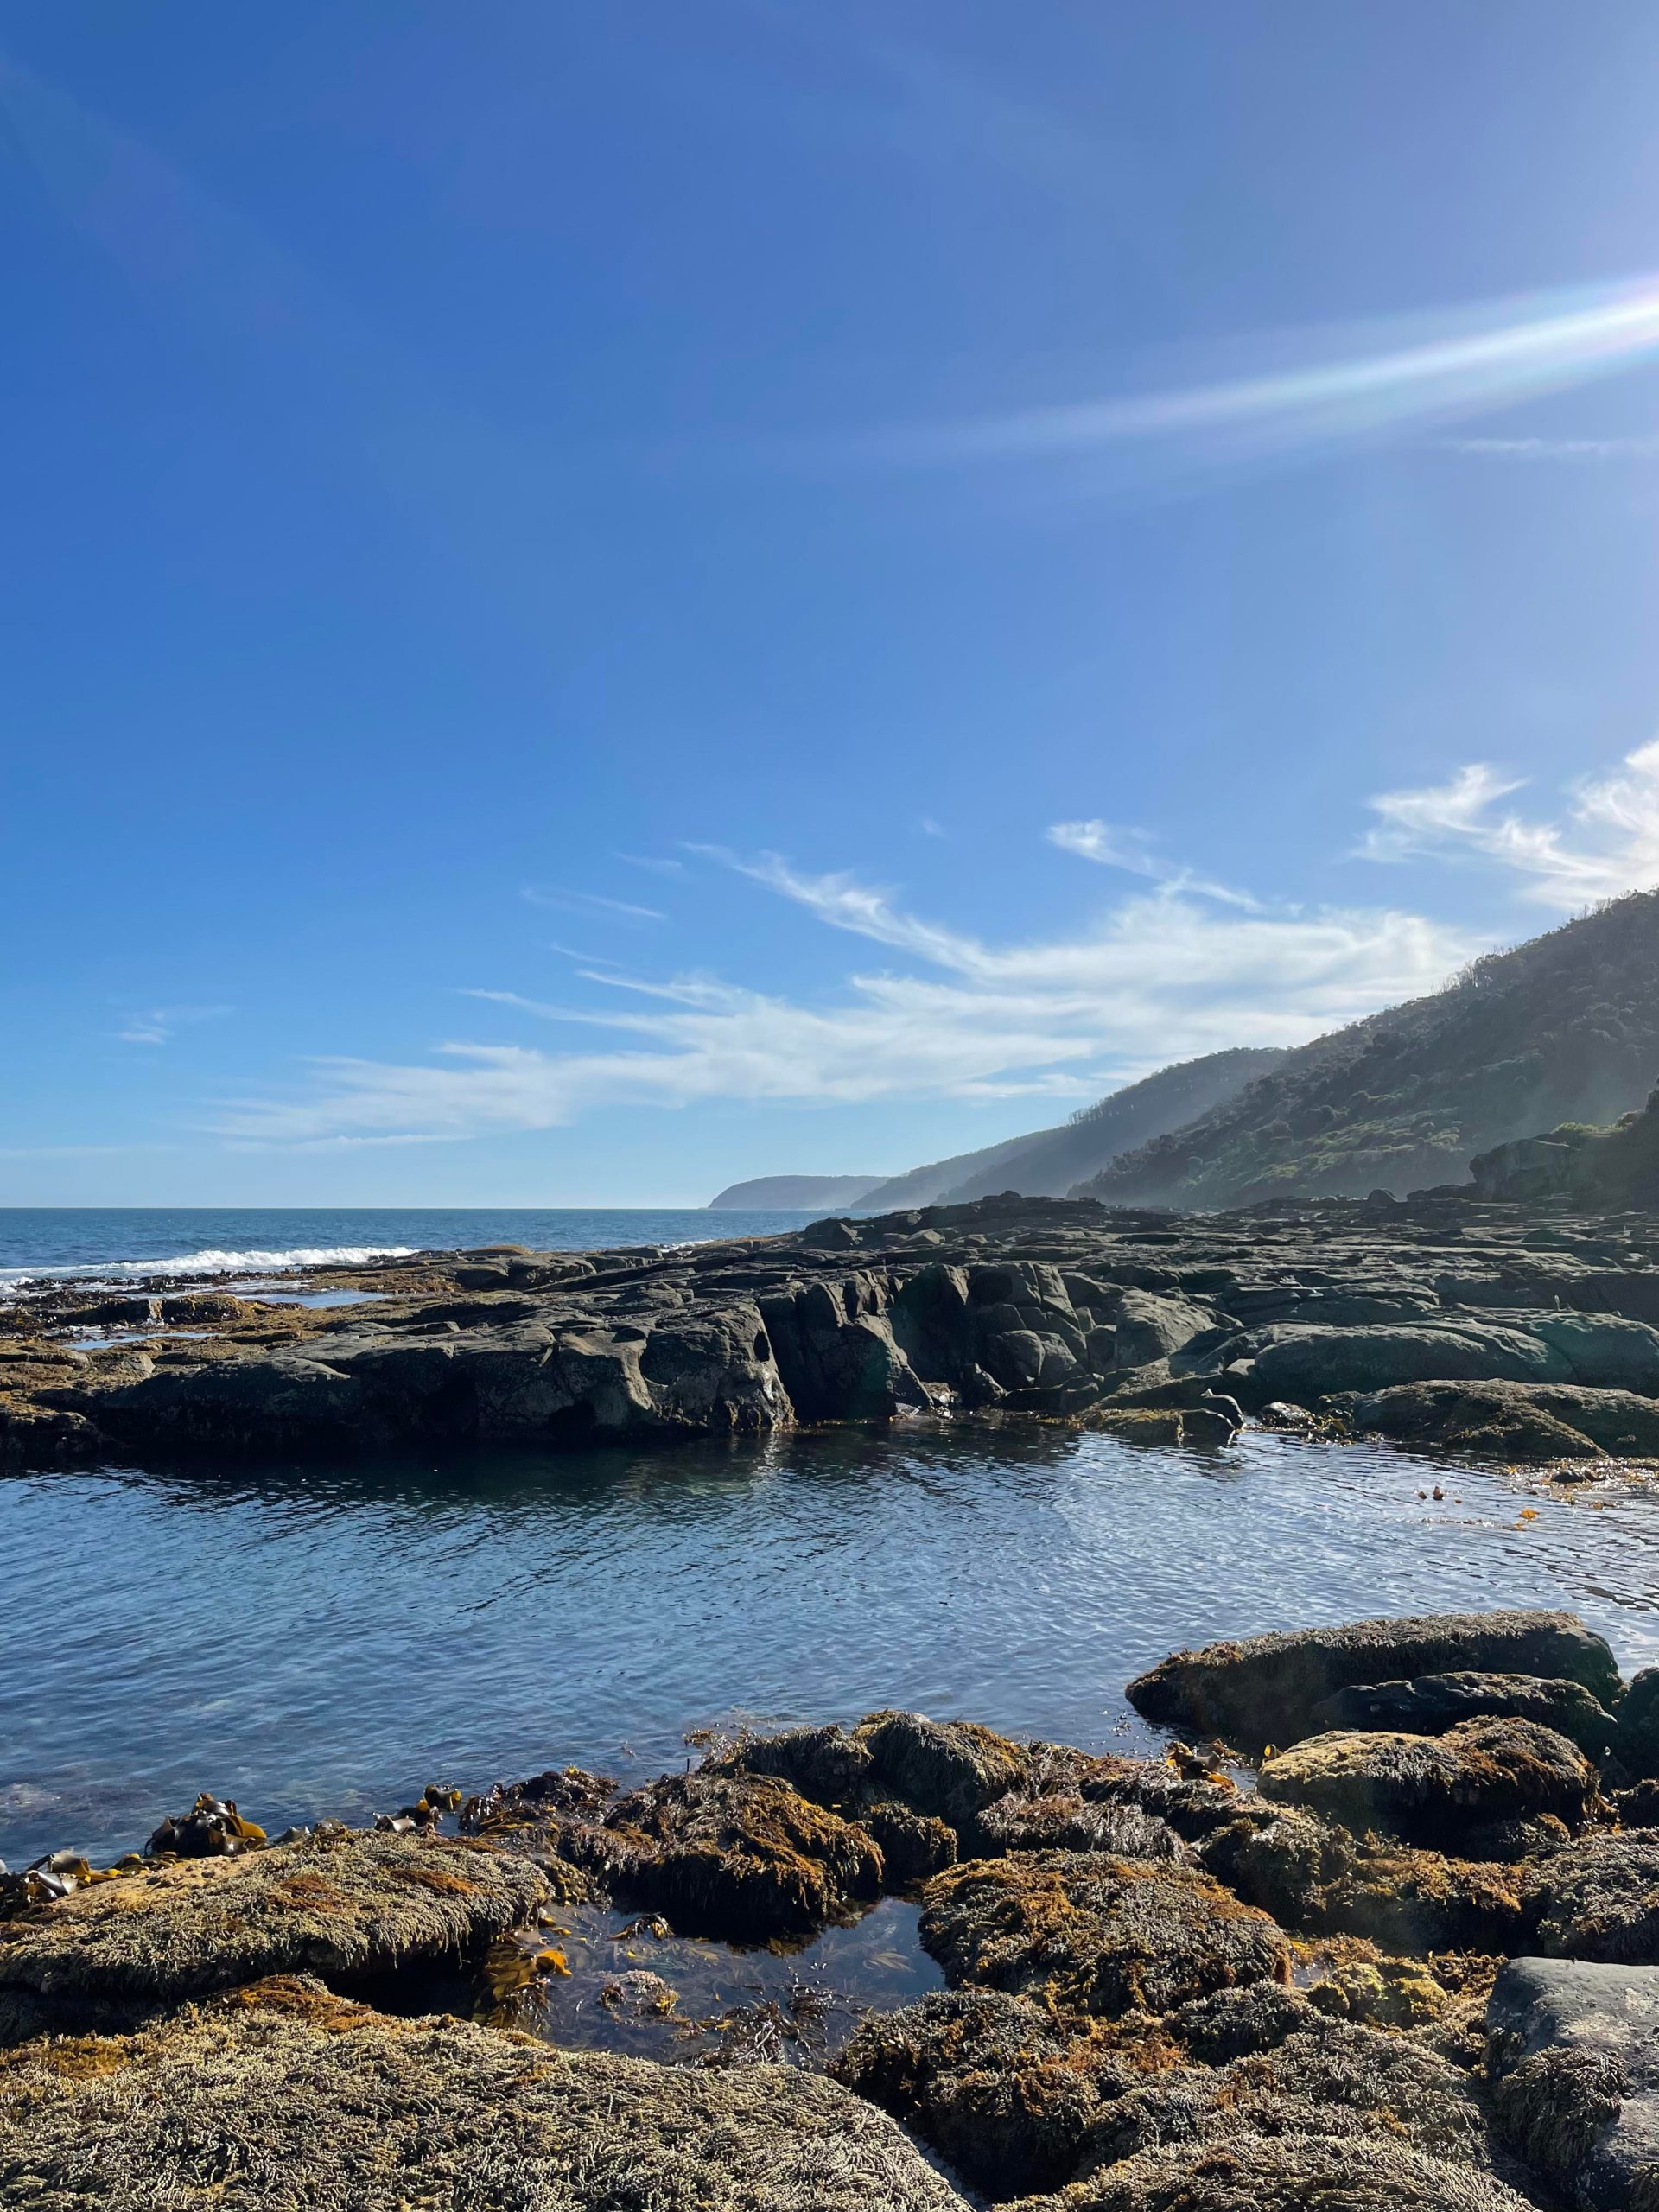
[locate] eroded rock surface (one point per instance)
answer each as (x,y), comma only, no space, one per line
(1446,1322)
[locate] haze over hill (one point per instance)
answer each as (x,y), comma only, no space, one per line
(827,1191)
(1562,1028)
(1045,1163)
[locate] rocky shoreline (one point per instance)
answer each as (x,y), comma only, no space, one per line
(1380,1935)
(1521,1333)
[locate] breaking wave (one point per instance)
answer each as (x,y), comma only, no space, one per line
(210,1262)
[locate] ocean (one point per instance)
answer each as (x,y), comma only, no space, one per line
(112,1241)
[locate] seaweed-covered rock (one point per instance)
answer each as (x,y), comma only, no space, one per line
(1573,2051)
(1237,2022)
(1422,1901)
(914,1845)
(1285,2173)
(1432,1789)
(1264,1689)
(1099,1933)
(826,1764)
(1431,1703)
(1599,1899)
(1527,1421)
(740,1856)
(1278,1856)
(351,1906)
(947,1768)
(1332,2079)
(994,2082)
(283,2099)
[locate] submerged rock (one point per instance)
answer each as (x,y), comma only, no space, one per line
(1433,1789)
(1573,2051)
(1265,1689)
(1102,1934)
(351,1906)
(283,2099)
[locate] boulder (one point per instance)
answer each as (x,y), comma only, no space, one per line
(1573,2053)
(744,1856)
(1518,1421)
(351,1906)
(1431,1703)
(995,2083)
(1420,1902)
(1332,2078)
(1285,2173)
(835,1353)
(282,2098)
(1148,1327)
(1264,1689)
(1433,1789)
(1302,1363)
(1099,1933)
(1599,1899)
(948,1769)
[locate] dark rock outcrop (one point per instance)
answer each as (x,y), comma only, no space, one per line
(1263,1689)
(1431,1703)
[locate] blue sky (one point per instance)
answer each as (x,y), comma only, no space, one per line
(602,598)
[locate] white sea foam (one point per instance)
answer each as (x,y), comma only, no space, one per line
(208,1263)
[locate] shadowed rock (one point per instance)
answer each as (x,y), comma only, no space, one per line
(1434,1703)
(1262,1689)
(1599,1899)
(1533,1422)
(283,2099)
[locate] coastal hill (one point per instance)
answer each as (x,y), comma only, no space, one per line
(1563,1028)
(1042,1164)
(829,1192)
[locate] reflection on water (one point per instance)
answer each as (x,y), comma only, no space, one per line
(327,1642)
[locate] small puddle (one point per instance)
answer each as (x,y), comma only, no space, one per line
(727,2007)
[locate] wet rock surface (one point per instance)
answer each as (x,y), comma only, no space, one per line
(1445,1322)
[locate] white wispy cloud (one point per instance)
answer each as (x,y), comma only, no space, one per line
(1603,841)
(1556,449)
(1327,387)
(160,1025)
(590,903)
(1134,850)
(1160,977)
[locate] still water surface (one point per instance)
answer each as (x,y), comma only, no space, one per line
(327,1642)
